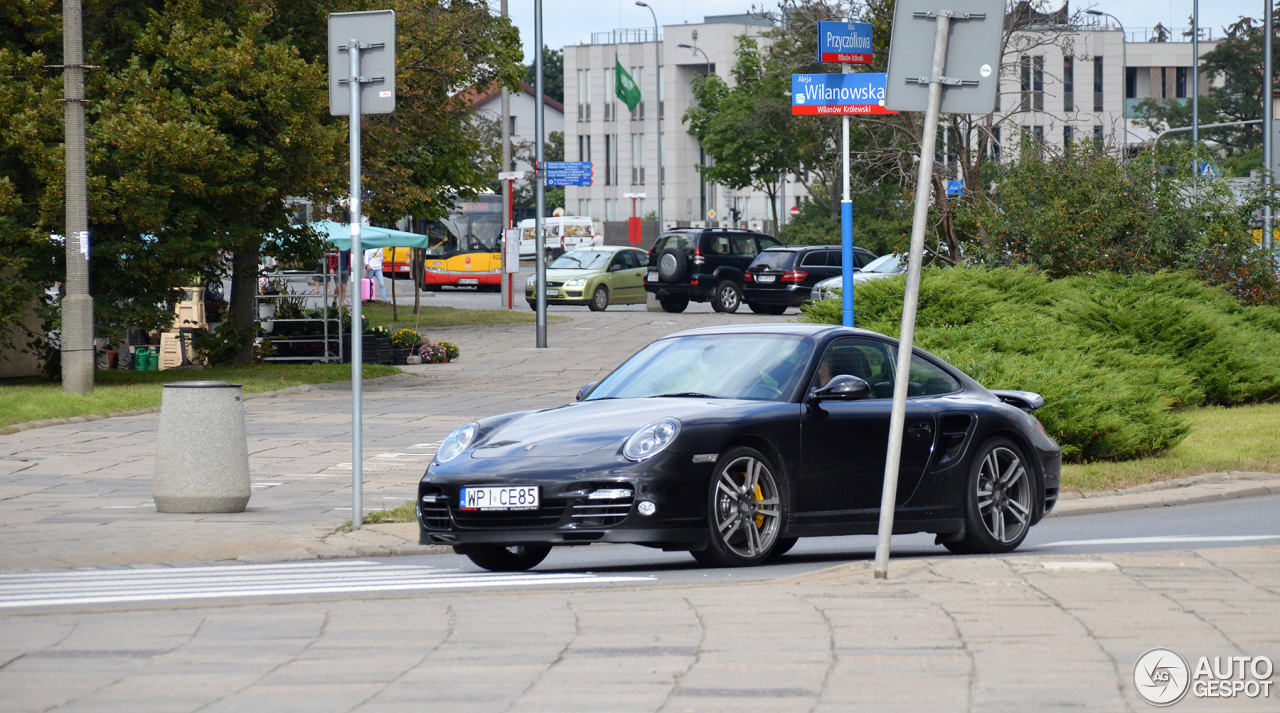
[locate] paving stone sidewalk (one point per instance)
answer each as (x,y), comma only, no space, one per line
(1019,633)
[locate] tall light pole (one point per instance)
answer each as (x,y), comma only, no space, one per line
(702,157)
(657,82)
(699,51)
(77,305)
(1195,75)
(1124,82)
(507,282)
(1268,116)
(539,190)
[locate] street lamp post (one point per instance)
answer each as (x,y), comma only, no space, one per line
(702,157)
(1124,81)
(657,82)
(704,56)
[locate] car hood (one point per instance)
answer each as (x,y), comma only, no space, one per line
(565,275)
(582,427)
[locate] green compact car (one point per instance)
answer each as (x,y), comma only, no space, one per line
(596,277)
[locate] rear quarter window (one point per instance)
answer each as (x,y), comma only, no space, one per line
(775,259)
(679,241)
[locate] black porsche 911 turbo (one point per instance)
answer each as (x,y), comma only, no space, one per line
(732,442)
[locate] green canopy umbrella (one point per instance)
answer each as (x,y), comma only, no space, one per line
(370,237)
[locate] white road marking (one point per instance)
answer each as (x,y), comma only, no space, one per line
(1163,540)
(113,586)
(1094,566)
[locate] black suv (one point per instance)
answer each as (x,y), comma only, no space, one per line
(703,264)
(784,277)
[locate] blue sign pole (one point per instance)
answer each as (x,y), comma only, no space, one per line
(846,228)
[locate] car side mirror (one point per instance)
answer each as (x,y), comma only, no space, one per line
(842,387)
(585,391)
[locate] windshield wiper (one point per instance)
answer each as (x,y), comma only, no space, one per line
(685,395)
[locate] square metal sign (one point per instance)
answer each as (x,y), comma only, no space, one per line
(568,173)
(834,94)
(973,55)
(845,42)
(377,64)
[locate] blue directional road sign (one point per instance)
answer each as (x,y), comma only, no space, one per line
(567,173)
(823,94)
(845,42)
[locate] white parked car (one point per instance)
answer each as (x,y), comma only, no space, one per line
(883,266)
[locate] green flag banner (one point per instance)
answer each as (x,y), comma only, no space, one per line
(625,87)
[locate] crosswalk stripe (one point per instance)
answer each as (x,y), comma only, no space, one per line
(82,587)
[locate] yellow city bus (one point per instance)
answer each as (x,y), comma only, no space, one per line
(464,249)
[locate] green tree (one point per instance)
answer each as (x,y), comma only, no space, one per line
(552,73)
(1233,72)
(746,128)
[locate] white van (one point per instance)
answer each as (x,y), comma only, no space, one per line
(563,233)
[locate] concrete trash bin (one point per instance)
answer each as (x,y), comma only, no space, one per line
(202,459)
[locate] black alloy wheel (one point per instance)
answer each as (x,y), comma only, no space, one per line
(673,304)
(515,558)
(600,299)
(727,298)
(998,500)
(745,508)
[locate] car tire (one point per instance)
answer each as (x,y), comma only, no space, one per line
(746,503)
(599,299)
(998,504)
(767,309)
(532,305)
(727,298)
(673,304)
(784,546)
(515,558)
(673,265)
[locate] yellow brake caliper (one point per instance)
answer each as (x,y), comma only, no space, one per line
(759,518)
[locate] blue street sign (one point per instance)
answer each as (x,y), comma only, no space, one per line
(822,94)
(1208,170)
(955,188)
(845,42)
(567,173)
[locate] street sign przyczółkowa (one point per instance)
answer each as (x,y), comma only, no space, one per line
(844,42)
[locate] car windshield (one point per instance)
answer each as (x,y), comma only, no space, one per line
(726,366)
(583,260)
(775,259)
(890,263)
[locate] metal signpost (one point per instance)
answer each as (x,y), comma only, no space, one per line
(844,42)
(539,190)
(371,37)
(843,94)
(971,49)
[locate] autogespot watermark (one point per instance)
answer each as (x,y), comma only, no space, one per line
(1162,677)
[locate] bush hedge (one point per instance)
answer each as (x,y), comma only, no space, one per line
(1117,358)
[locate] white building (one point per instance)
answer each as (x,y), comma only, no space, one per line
(523,107)
(624,146)
(1082,91)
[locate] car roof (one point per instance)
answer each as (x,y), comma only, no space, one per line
(789,328)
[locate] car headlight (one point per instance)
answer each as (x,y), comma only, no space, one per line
(531,281)
(576,282)
(650,440)
(457,442)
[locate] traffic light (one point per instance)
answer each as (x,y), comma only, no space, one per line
(737,215)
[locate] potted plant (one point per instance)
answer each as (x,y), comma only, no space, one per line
(451,351)
(381,352)
(403,343)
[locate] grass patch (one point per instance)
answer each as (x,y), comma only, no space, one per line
(1221,439)
(1119,359)
(379,313)
(32,400)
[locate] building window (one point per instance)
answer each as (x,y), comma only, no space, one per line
(1180,80)
(1131,82)
(995,143)
(637,159)
(610,104)
(608,160)
(1097,137)
(584,95)
(588,158)
(1066,137)
(662,97)
(1037,134)
(662,169)
(1037,83)
(1068,83)
(1097,84)
(637,73)
(1024,75)
(582,148)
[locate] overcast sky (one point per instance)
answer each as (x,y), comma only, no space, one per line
(566,22)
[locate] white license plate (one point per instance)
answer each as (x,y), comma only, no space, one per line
(766,278)
(468,281)
(553,293)
(506,497)
(652,277)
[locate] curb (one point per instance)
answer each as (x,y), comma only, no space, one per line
(1209,487)
(301,389)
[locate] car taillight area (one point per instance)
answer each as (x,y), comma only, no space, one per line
(794,276)
(698,259)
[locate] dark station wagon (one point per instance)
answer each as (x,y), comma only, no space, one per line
(784,277)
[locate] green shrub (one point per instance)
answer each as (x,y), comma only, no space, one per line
(1116,357)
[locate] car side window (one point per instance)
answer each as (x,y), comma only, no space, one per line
(867,359)
(631,260)
(835,258)
(816,258)
(928,379)
(768,242)
(619,262)
(745,246)
(720,245)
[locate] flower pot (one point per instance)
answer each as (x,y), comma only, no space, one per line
(400,356)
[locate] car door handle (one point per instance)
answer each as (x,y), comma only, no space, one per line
(920,430)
